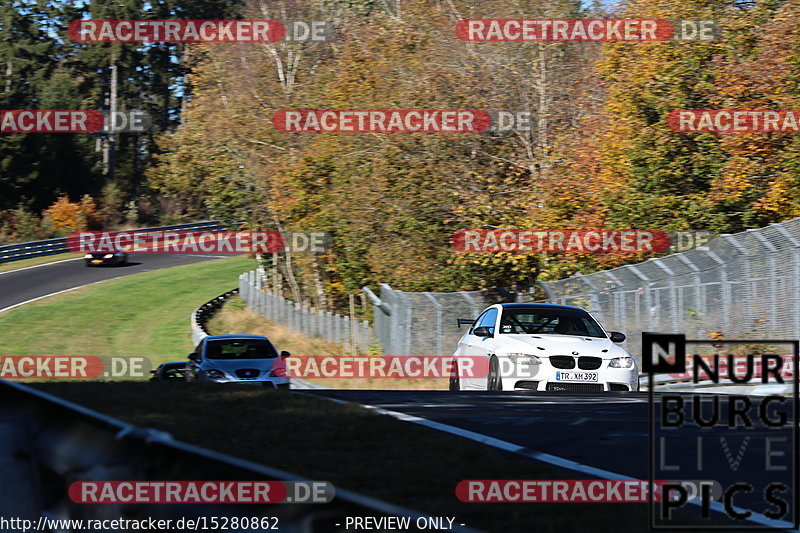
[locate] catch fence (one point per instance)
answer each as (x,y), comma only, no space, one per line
(332,327)
(740,286)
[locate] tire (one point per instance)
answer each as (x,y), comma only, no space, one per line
(493,381)
(455,382)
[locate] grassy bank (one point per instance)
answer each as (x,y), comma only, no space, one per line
(34,261)
(235,317)
(145,314)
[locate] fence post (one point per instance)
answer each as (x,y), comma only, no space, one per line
(748,294)
(724,289)
(699,291)
(672,293)
(773,288)
(795,276)
(367,333)
(347,330)
(437,309)
(647,296)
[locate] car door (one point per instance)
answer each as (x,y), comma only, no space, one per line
(479,347)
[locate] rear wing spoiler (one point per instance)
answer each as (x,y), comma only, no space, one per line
(460,321)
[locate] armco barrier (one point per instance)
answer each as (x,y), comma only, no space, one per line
(47,443)
(26,250)
(201,315)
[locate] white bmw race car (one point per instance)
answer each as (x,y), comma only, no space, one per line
(541,347)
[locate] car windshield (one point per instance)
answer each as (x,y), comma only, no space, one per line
(240,349)
(531,320)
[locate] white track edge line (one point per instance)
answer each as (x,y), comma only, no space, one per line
(551,459)
(10,307)
(42,265)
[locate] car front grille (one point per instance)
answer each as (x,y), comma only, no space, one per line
(575,387)
(589,363)
(562,361)
(247,373)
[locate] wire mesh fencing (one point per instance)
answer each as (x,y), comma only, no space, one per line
(332,327)
(425,323)
(740,286)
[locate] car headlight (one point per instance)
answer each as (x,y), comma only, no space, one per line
(213,373)
(87,256)
(524,358)
(621,362)
(108,256)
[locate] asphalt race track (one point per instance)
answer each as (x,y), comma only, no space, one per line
(601,430)
(26,284)
(607,431)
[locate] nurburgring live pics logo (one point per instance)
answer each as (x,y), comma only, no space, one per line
(747,442)
(586,30)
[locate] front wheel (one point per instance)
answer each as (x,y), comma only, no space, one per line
(493,381)
(455,382)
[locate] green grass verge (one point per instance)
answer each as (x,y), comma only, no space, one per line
(145,314)
(33,261)
(351,447)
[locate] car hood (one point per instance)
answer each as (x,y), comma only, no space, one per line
(561,345)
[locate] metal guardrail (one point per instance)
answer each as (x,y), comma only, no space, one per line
(202,314)
(47,443)
(25,250)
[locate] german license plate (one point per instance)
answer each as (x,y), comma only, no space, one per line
(576,376)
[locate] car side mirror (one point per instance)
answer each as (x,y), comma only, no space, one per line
(193,357)
(285,354)
(482,331)
(616,336)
